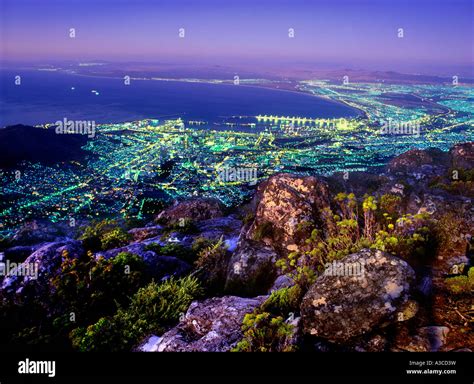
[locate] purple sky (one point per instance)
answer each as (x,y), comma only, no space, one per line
(358,33)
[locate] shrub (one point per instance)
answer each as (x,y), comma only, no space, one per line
(369,206)
(448,231)
(212,265)
(87,286)
(411,236)
(115,238)
(103,336)
(284,301)
(297,266)
(201,243)
(390,204)
(151,309)
(462,284)
(347,204)
(104,235)
(263,332)
(405,236)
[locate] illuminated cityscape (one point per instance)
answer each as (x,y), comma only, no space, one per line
(130,163)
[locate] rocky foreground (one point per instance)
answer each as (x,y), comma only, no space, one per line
(372,262)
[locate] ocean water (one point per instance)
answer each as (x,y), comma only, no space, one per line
(49,96)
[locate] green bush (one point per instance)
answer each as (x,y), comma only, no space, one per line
(201,243)
(94,286)
(462,284)
(344,232)
(264,332)
(152,309)
(284,301)
(105,234)
(103,336)
(391,204)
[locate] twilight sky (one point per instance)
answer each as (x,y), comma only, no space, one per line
(438,35)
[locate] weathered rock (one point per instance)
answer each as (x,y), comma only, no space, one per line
(409,161)
(339,308)
(375,343)
(462,155)
(19,253)
(227,228)
(282,281)
(46,261)
(287,204)
(251,269)
(40,231)
(158,266)
(212,325)
(140,234)
(195,209)
(426,339)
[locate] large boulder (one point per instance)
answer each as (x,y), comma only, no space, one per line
(251,269)
(414,160)
(41,266)
(41,231)
(361,292)
(227,227)
(195,209)
(409,160)
(288,209)
(212,325)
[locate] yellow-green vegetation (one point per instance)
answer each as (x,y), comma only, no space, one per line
(264,332)
(409,236)
(104,234)
(152,309)
(369,206)
(86,289)
(391,205)
(284,301)
(381,227)
(296,266)
(267,328)
(462,284)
